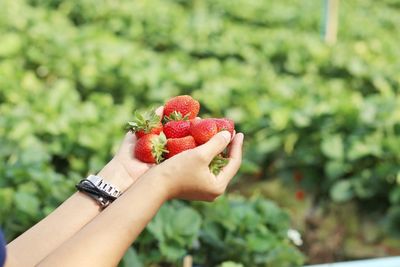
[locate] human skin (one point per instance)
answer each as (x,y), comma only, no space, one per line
(104,240)
(66,221)
(78,210)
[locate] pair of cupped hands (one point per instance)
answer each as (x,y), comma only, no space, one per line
(184,176)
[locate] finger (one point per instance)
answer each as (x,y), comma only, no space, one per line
(215,145)
(195,120)
(160,111)
(235,159)
(236,147)
(226,152)
(128,141)
(233,134)
(130,138)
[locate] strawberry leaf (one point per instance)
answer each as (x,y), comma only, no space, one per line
(217,164)
(158,148)
(144,121)
(176,116)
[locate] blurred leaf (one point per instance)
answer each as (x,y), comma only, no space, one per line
(6,199)
(342,191)
(26,202)
(334,169)
(187,221)
(131,259)
(172,252)
(332,147)
(10,44)
(231,264)
(258,243)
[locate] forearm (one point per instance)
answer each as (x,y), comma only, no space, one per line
(40,240)
(104,240)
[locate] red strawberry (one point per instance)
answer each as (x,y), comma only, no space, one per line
(145,123)
(203,130)
(225,124)
(153,130)
(150,148)
(298,176)
(184,105)
(178,145)
(176,129)
(300,194)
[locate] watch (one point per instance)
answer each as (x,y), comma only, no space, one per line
(102,192)
(103,186)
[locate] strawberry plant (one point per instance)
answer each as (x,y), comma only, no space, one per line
(255,231)
(322,118)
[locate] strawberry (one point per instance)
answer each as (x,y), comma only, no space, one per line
(300,195)
(157,129)
(225,124)
(203,130)
(178,145)
(145,123)
(184,105)
(176,129)
(150,148)
(297,176)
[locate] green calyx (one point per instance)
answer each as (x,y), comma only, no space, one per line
(176,116)
(217,164)
(143,121)
(158,147)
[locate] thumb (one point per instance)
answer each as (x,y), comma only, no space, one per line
(215,145)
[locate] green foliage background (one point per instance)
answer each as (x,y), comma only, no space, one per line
(72,72)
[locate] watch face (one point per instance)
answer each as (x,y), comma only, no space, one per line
(96,180)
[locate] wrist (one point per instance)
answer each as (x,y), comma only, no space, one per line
(114,173)
(159,183)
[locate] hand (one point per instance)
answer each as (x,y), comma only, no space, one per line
(187,175)
(124,169)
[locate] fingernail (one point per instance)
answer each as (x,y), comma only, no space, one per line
(241,138)
(226,135)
